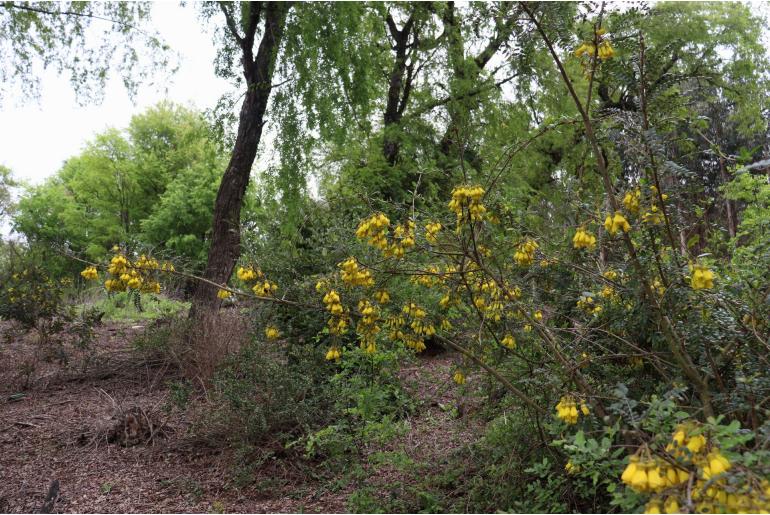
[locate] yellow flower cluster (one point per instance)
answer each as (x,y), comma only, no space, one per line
(338,323)
(353,275)
(249,273)
(690,454)
(631,201)
(132,276)
(367,327)
(430,278)
(609,293)
(567,409)
(587,304)
(403,238)
(645,473)
(382,296)
(374,230)
(262,287)
(588,49)
(613,224)
(118,265)
(272,332)
(412,340)
(653,216)
(265,288)
(90,273)
(459,378)
(487,299)
(431,231)
(145,263)
(525,253)
(332,302)
(702,277)
(583,239)
(333,353)
(508,341)
(466,203)
(418,323)
(223,294)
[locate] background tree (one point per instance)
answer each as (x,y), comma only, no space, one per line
(150,185)
(59,35)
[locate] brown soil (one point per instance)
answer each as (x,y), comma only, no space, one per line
(55,422)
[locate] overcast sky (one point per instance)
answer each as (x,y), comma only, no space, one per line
(36,137)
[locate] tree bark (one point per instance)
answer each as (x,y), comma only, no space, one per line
(226,234)
(399,86)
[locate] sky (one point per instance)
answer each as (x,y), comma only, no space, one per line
(36,137)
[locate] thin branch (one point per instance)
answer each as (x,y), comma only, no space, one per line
(13,5)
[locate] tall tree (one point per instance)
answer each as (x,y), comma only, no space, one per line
(243,21)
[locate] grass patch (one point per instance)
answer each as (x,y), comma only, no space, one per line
(123,307)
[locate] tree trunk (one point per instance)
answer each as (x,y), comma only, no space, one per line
(226,235)
(399,87)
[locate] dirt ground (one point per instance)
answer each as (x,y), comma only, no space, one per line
(56,426)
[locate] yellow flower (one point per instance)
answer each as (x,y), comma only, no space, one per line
(585,49)
(631,201)
(382,296)
(696,443)
(652,507)
(583,239)
(333,354)
(248,274)
(459,377)
(508,341)
(606,51)
(265,288)
(352,274)
(671,505)
(613,224)
(466,203)
(538,315)
(431,230)
(567,410)
(272,332)
(89,273)
(223,294)
(525,253)
(702,277)
(630,470)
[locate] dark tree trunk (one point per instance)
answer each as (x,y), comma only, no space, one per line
(226,235)
(399,87)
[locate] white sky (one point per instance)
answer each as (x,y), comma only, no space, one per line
(36,137)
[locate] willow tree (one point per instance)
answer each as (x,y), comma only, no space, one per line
(308,55)
(59,35)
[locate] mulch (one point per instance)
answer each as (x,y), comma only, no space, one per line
(57,429)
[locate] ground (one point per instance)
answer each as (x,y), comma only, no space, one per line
(54,422)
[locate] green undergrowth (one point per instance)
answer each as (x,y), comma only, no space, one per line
(134,307)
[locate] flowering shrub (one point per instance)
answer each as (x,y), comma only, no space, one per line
(28,294)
